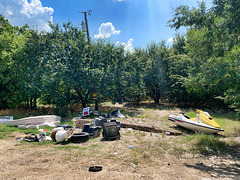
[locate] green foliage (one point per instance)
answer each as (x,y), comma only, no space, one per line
(12,42)
(155,77)
(210,54)
(62,68)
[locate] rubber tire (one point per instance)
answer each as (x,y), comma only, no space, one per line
(95,168)
(79,137)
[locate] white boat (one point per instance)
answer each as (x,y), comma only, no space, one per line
(202,123)
(35,120)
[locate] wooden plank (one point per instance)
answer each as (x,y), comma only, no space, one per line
(149,129)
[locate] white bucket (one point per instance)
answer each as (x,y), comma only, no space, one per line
(62,135)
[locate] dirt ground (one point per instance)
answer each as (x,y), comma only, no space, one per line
(31,160)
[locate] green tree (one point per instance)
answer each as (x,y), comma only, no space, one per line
(12,42)
(211,35)
(155,79)
(135,90)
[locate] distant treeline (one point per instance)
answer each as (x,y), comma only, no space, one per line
(60,67)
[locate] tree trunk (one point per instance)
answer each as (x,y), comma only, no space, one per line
(84,104)
(156,100)
(35,103)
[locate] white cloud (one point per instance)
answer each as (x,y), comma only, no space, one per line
(128,47)
(20,12)
(170,40)
(106,30)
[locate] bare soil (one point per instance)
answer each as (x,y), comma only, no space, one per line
(148,159)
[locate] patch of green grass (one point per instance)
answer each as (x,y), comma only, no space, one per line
(6,131)
(207,144)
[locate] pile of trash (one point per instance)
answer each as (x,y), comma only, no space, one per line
(90,128)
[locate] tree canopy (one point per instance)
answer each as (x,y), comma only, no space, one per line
(61,68)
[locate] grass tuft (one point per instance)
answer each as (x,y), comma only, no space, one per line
(208,144)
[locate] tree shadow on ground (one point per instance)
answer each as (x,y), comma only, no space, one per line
(220,170)
(133,110)
(227,167)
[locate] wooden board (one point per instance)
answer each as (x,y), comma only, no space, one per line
(149,129)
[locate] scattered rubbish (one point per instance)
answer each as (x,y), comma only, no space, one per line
(129,129)
(94,131)
(5,119)
(167,132)
(36,120)
(40,137)
(43,130)
(34,138)
(214,175)
(90,127)
(96,113)
(115,113)
(19,139)
(130,147)
(110,131)
(95,168)
(29,138)
(79,137)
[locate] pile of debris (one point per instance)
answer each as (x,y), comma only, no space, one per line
(85,128)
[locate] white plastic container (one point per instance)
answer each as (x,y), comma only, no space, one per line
(62,135)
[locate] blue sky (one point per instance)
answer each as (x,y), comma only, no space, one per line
(135,23)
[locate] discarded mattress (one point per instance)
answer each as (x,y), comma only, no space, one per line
(5,119)
(36,120)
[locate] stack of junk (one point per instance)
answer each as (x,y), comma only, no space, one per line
(91,128)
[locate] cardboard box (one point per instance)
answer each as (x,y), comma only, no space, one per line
(81,122)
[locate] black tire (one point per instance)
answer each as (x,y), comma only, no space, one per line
(95,168)
(79,137)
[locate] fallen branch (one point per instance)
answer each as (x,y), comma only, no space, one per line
(149,129)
